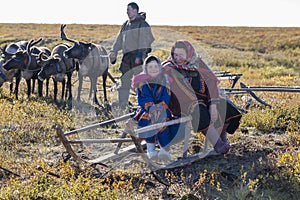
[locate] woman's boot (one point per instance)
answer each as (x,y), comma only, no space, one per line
(221,147)
(223,134)
(214,138)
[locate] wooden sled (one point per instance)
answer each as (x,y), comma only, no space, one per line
(137,146)
(251,91)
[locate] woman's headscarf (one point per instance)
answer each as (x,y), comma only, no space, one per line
(191,53)
(193,60)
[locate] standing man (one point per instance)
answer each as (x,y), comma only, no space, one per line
(134,39)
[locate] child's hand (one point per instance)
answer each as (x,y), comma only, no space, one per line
(155,112)
(156,115)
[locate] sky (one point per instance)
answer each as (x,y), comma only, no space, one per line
(258,13)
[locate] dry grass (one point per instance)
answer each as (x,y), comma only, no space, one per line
(263,164)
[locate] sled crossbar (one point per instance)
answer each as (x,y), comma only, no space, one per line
(249,89)
(136,132)
(162,124)
(229,76)
(226,74)
(99,125)
(287,87)
(263,89)
(113,140)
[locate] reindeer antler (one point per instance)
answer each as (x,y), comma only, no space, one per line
(63,35)
(34,43)
(29,45)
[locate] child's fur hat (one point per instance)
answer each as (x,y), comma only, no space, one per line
(149,59)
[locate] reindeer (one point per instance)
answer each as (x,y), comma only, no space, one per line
(7,76)
(93,62)
(57,66)
(26,61)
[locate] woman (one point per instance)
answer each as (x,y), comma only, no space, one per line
(195,91)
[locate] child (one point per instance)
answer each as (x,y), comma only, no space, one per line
(153,97)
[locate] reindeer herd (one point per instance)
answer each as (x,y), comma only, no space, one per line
(24,59)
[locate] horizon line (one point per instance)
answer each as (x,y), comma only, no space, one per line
(273,26)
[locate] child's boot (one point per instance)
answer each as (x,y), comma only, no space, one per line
(164,155)
(151,153)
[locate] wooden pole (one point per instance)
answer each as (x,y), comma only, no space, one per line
(263,89)
(101,124)
(161,125)
(111,140)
